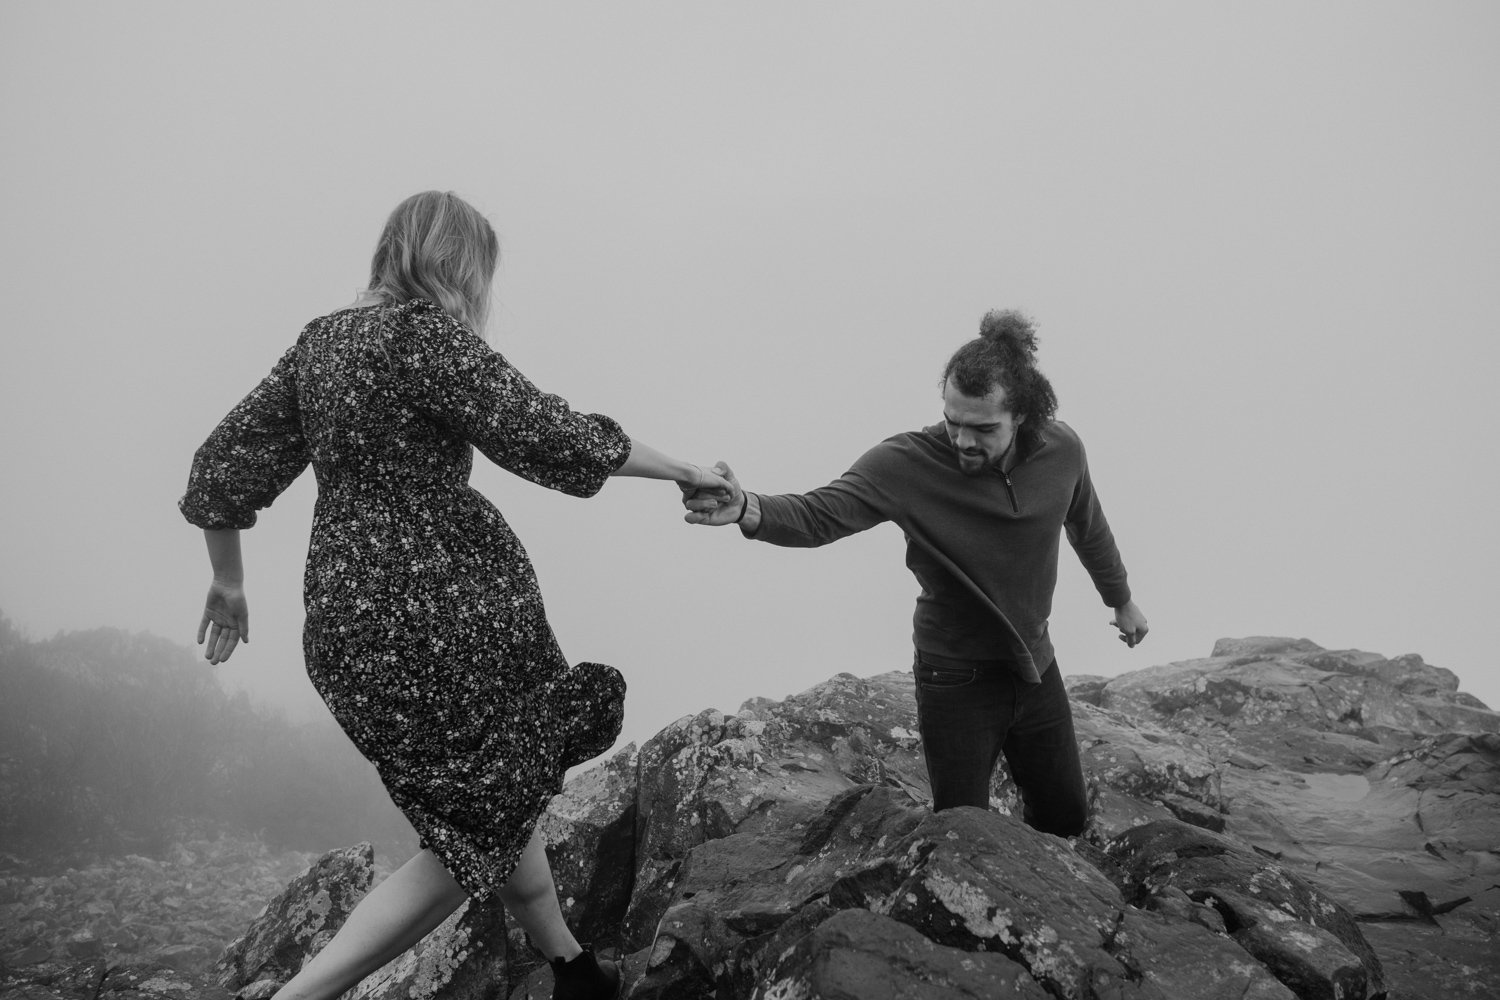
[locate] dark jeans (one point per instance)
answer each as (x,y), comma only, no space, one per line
(969,712)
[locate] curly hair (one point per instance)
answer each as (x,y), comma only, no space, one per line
(1004,355)
(437,246)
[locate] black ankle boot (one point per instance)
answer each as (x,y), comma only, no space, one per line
(584,977)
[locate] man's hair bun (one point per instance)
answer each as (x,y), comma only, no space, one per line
(1007,328)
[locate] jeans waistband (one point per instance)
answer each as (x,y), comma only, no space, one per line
(949,661)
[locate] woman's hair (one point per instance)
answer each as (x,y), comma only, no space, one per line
(1004,355)
(437,246)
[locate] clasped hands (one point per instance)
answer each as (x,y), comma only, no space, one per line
(715,503)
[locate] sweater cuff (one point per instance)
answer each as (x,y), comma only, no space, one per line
(760,518)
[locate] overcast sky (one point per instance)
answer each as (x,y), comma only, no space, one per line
(1260,243)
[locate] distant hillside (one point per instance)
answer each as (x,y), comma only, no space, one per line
(110,740)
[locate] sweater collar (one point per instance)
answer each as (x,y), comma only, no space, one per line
(940,434)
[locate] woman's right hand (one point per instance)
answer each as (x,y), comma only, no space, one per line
(226,620)
(708,484)
(715,505)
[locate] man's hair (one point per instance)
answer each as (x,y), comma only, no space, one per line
(438,247)
(1004,355)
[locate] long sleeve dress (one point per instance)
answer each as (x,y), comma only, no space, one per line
(425,631)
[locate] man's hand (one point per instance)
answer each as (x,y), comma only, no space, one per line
(706,484)
(226,621)
(712,506)
(1131,623)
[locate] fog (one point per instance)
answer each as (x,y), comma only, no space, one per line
(1260,245)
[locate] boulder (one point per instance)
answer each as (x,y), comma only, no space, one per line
(857,953)
(296,924)
(1304,937)
(463,959)
(590,835)
(765,769)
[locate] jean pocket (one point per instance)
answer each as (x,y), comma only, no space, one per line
(930,676)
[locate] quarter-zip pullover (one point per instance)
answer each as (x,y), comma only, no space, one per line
(983,548)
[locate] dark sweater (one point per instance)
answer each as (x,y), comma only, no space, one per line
(984,548)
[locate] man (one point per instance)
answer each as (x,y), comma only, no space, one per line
(983,499)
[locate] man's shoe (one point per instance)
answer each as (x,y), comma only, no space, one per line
(584,977)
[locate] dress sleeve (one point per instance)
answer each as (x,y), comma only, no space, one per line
(453,377)
(251,457)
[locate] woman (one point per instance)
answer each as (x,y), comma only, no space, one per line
(425,630)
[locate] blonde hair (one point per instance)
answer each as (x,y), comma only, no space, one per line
(437,246)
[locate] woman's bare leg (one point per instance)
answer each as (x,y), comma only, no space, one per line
(417,897)
(396,914)
(531,898)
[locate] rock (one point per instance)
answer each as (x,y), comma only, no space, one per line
(157,982)
(1424,962)
(1307,939)
(1313,963)
(83,944)
(262,989)
(97,981)
(1280,683)
(184,957)
(711,775)
(296,924)
(981,881)
(463,959)
(1275,820)
(1149,766)
(1422,820)
(590,834)
(857,953)
(53,981)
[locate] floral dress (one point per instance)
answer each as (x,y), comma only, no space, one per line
(425,631)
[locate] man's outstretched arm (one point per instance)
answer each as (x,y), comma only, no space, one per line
(801,520)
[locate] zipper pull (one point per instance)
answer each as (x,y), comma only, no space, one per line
(1011,491)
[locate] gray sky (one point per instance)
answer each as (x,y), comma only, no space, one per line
(1260,243)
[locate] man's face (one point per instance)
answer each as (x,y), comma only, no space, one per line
(980,428)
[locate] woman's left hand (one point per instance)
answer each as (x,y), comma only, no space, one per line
(226,621)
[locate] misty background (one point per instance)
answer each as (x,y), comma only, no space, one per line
(1260,244)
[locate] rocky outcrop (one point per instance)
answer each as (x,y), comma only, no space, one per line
(298,923)
(1259,819)
(1273,821)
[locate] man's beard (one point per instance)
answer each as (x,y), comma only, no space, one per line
(974,465)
